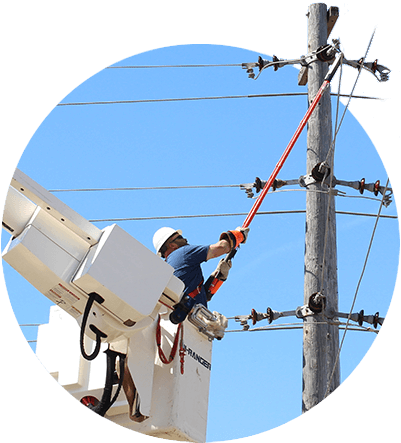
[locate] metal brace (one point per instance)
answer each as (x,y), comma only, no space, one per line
(358,317)
(271,315)
(316,305)
(360,186)
(259,184)
(374,68)
(305,180)
(324,53)
(243,320)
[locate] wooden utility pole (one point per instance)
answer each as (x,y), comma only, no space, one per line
(320,340)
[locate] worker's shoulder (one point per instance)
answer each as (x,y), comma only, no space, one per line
(191,251)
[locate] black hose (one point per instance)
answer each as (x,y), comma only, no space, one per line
(122,371)
(105,402)
(93,296)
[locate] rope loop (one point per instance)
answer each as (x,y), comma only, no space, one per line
(174,348)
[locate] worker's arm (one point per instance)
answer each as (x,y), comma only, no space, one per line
(218,249)
(228,240)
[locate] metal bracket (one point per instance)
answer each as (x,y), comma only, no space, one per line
(303,311)
(324,53)
(316,176)
(276,63)
(358,317)
(316,305)
(259,184)
(317,302)
(243,320)
(373,67)
(271,315)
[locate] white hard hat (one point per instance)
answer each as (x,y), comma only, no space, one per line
(161,236)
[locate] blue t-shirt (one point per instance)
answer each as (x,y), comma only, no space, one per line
(186,262)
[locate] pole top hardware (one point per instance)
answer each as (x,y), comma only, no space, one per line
(327,53)
(317,302)
(271,315)
(379,71)
(358,317)
(321,173)
(316,305)
(324,53)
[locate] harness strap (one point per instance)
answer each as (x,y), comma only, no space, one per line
(196,291)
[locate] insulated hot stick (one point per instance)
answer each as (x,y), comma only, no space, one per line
(214,283)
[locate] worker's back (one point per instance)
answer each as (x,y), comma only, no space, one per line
(186,262)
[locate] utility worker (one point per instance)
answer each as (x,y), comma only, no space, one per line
(186,260)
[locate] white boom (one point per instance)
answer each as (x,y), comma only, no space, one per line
(125,288)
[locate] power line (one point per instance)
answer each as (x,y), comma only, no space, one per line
(158,188)
(358,285)
(144,188)
(160,100)
(176,66)
(289,326)
(169,217)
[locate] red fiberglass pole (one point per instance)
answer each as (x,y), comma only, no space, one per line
(284,157)
(214,283)
(292,142)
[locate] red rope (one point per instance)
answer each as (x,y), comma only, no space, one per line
(182,351)
(173,352)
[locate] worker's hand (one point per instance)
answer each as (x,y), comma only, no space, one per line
(236,237)
(244,232)
(222,270)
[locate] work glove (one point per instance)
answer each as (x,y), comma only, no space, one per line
(244,231)
(236,237)
(222,269)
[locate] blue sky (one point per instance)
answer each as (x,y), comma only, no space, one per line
(257,377)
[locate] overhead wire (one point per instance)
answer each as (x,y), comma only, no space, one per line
(278,62)
(146,188)
(289,326)
(159,100)
(332,148)
(275,327)
(280,212)
(170,217)
(162,188)
(338,95)
(356,292)
(176,66)
(372,236)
